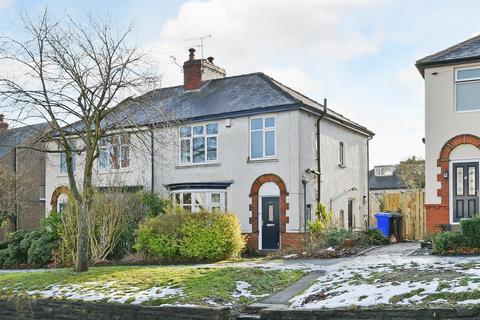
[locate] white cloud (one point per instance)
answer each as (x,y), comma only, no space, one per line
(249,35)
(410,77)
(4,4)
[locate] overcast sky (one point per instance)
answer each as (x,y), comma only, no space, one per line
(360,55)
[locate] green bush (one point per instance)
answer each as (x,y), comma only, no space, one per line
(370,237)
(190,236)
(471,229)
(14,254)
(153,203)
(449,240)
(336,237)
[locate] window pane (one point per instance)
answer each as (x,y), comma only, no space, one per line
(212,128)
(187,198)
(468,96)
(269,143)
(215,198)
(198,130)
(257,144)
(187,208)
(198,150)
(177,198)
(63,163)
(269,122)
(468,74)
(472,177)
(200,200)
(185,151)
(103,159)
(115,156)
(257,124)
(459,181)
(125,156)
(185,132)
(212,148)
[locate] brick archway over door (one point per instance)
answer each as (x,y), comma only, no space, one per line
(56,193)
(291,240)
(438,214)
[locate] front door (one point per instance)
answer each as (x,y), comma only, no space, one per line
(465,190)
(270,223)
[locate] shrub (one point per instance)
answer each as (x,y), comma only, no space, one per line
(191,236)
(449,240)
(14,254)
(337,237)
(153,203)
(471,229)
(322,220)
(370,237)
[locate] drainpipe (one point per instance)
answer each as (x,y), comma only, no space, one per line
(319,163)
(15,170)
(152,160)
(304,183)
(368,181)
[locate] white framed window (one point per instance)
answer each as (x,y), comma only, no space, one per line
(197,200)
(198,144)
(467,89)
(63,158)
(263,139)
(114,152)
(341,154)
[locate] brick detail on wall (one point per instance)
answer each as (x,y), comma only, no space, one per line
(438,214)
(286,239)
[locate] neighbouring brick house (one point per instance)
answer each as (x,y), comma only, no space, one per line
(28,166)
(452,133)
(243,144)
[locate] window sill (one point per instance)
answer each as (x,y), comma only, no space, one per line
(196,165)
(115,171)
(262,160)
(65,174)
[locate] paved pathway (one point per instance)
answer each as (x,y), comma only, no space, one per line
(397,249)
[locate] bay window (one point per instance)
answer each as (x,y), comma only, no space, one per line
(196,201)
(199,144)
(263,138)
(114,152)
(467,89)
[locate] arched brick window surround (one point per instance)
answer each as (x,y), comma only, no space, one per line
(254,201)
(444,160)
(56,193)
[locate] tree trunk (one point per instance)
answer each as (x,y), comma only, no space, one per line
(81,263)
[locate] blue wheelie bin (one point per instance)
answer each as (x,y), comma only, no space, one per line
(383,223)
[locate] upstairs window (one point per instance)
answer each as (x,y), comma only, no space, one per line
(198,144)
(263,138)
(341,154)
(467,89)
(63,158)
(114,152)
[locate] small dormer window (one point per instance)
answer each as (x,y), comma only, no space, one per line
(467,89)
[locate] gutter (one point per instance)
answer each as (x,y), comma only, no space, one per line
(319,162)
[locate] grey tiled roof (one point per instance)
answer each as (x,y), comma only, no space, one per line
(220,98)
(464,51)
(383,182)
(18,136)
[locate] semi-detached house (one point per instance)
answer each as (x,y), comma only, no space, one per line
(452,133)
(243,144)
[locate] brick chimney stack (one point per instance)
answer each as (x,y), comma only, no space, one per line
(197,71)
(3,124)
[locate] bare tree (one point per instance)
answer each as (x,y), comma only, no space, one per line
(78,72)
(411,173)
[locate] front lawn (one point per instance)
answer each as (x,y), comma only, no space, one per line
(150,285)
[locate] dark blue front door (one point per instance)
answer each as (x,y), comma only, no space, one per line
(465,190)
(270,223)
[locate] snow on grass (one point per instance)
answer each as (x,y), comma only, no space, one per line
(242,291)
(409,283)
(108,291)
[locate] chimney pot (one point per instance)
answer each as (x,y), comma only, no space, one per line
(191,56)
(210,59)
(3,124)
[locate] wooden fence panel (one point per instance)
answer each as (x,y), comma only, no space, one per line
(412,207)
